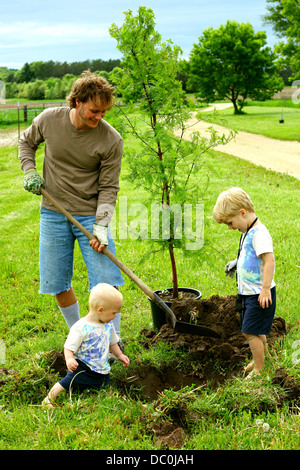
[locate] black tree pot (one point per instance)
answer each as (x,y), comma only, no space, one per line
(158,315)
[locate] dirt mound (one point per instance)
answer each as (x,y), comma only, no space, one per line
(230,351)
(218,313)
(56,362)
(149,382)
(292,389)
(168,435)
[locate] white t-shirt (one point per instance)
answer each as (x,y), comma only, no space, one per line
(90,343)
(250,266)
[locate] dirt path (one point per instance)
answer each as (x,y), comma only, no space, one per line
(272,154)
(8,138)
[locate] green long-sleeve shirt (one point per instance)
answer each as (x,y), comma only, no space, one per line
(81,168)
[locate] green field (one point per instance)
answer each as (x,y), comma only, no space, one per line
(228,417)
(12,113)
(264,120)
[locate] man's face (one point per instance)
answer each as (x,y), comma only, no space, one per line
(89,114)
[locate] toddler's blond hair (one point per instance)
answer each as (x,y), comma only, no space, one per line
(104,295)
(230,202)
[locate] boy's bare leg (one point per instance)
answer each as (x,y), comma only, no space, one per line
(52,395)
(257,346)
(266,352)
(265,343)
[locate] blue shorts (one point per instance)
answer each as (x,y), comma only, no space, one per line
(255,319)
(57,239)
(83,378)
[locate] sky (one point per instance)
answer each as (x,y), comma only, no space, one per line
(74,31)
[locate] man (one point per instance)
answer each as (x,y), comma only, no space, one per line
(81,168)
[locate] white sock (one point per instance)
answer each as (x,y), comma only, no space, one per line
(71,314)
(117,324)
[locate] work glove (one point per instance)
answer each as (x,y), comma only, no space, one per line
(33,182)
(100,233)
(230,268)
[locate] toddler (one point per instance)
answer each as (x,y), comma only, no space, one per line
(89,341)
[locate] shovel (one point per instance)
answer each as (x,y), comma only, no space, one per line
(179,326)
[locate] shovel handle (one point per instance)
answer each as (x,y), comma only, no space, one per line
(61,209)
(105,250)
(178,326)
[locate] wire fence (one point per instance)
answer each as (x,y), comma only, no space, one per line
(16,114)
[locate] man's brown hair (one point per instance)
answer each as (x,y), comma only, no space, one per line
(91,85)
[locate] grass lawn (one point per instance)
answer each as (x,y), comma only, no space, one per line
(31,325)
(264,120)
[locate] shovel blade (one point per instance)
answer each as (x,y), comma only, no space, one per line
(184,327)
(190,329)
(165,308)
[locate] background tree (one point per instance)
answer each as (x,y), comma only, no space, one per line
(284,16)
(24,75)
(233,62)
(276,17)
(36,90)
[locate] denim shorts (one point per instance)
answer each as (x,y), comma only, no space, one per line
(255,319)
(57,239)
(84,378)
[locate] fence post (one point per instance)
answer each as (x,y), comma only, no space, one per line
(25,112)
(18,120)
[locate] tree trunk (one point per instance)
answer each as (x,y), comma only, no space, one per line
(236,109)
(174,271)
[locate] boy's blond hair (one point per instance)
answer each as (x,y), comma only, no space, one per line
(230,202)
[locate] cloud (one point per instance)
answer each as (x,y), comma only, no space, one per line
(31,34)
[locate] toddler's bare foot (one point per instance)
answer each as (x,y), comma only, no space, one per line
(47,403)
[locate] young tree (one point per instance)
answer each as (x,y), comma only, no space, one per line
(233,62)
(148,78)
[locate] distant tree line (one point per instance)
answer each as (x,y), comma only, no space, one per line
(50,80)
(52,69)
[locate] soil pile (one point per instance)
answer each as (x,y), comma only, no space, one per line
(230,350)
(219,314)
(212,360)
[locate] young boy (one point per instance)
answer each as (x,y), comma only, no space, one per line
(255,267)
(89,341)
